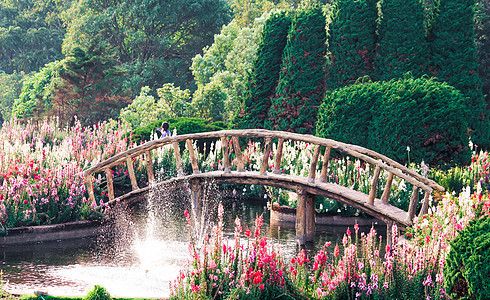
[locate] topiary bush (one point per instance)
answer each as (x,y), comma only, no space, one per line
(265,72)
(388,117)
(467,268)
(301,86)
(351,41)
(454,60)
(401,38)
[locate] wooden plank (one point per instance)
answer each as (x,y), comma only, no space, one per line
(386,193)
(192,155)
(149,167)
(226,154)
(374,185)
(89,181)
(300,225)
(265,158)
(132,176)
(178,159)
(413,203)
(110,184)
(425,204)
(356,151)
(238,153)
(326,158)
(310,218)
(278,159)
(314,161)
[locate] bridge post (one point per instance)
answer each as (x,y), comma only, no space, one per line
(310,217)
(305,216)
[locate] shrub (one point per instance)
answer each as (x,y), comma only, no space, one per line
(98,293)
(467,268)
(454,60)
(423,116)
(302,78)
(401,37)
(181,125)
(266,72)
(351,57)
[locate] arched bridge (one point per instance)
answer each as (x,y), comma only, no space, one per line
(305,187)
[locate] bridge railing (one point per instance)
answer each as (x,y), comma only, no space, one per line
(378,161)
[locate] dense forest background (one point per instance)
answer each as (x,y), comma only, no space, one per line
(144,60)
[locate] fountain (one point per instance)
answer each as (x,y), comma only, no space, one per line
(141,249)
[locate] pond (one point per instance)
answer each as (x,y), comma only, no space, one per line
(141,250)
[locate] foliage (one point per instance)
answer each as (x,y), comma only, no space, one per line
(98,293)
(178,125)
(31,34)
(10,88)
(246,11)
(423,116)
(145,109)
(467,268)
(351,42)
(153,40)
(35,98)
(482,29)
(222,72)
(85,85)
(402,44)
(265,72)
(209,102)
(302,78)
(454,61)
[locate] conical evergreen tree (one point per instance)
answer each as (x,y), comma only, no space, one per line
(454,60)
(351,41)
(402,44)
(302,77)
(266,72)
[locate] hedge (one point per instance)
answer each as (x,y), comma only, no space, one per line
(423,114)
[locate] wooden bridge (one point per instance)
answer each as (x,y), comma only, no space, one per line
(306,187)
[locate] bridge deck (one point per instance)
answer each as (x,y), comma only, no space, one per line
(380,210)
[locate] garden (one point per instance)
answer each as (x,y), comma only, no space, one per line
(405,78)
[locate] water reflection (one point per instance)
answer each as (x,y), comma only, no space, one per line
(127,260)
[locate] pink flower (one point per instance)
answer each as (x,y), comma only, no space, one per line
(261,286)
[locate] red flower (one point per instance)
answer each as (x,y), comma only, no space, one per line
(261,286)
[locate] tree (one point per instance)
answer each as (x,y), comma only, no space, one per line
(265,72)
(31,34)
(351,41)
(35,98)
(153,40)
(302,78)
(85,86)
(10,88)
(452,41)
(402,44)
(227,63)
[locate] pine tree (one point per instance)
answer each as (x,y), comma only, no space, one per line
(351,41)
(266,72)
(301,84)
(454,60)
(402,44)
